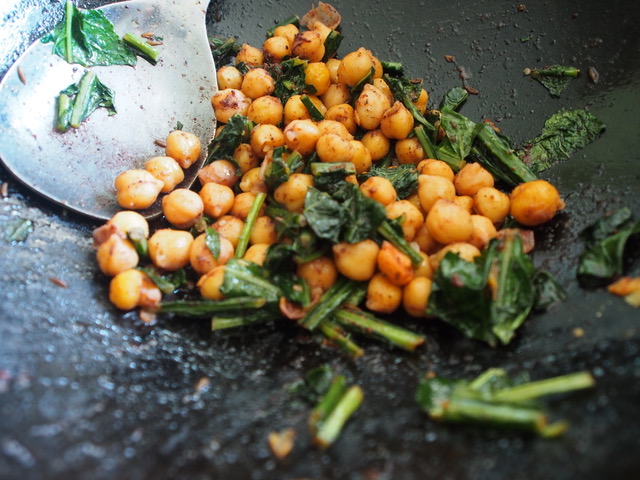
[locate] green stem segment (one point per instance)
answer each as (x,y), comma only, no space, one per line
(549,386)
(206,308)
(337,336)
(222,322)
(316,115)
(243,240)
(68,27)
(81,99)
(330,429)
(142,47)
(426,144)
(330,301)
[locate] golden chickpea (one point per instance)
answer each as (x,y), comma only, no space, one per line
(381,85)
(257,82)
(492,203)
(184,147)
(370,107)
(275,49)
(425,240)
(308,45)
(356,261)
(287,31)
(413,217)
(448,222)
(266,109)
(124,289)
(217,199)
(201,258)
(229,102)
(383,296)
(137,189)
(291,193)
(396,122)
(415,200)
(242,205)
(127,221)
(167,170)
(322,29)
(380,189)
(483,231)
(301,136)
(345,114)
(116,255)
(334,148)
(415,296)
(431,188)
(377,144)
(465,201)
(229,77)
(534,203)
(211,283)
(169,249)
(336,94)
(219,171)
(394,264)
(355,66)
(422,101)
(423,269)
(332,126)
(253,181)
(471,178)
(245,157)
(264,138)
(257,253)
(250,55)
(431,166)
(464,250)
(229,227)
(318,76)
(294,109)
(319,273)
(409,151)
(182,208)
(361,157)
(264,231)
(333,64)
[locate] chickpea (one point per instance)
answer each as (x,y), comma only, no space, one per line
(413,217)
(291,193)
(137,189)
(425,240)
(319,273)
(377,144)
(219,171)
(415,296)
(275,49)
(383,296)
(534,203)
(229,102)
(308,45)
(381,85)
(217,199)
(287,31)
(361,157)
(250,55)
(464,201)
(167,170)
(182,208)
(333,64)
(184,147)
(229,227)
(332,126)
(257,253)
(116,255)
(245,157)
(431,188)
(492,203)
(422,101)
(380,189)
(169,249)
(264,231)
(201,258)
(396,122)
(333,148)
(395,265)
(356,261)
(431,166)
(345,114)
(483,231)
(301,136)
(464,250)
(318,76)
(264,138)
(266,109)
(229,77)
(448,222)
(127,221)
(322,29)
(370,107)
(253,181)
(242,205)
(211,283)
(471,178)
(355,66)
(409,151)
(124,289)
(336,94)
(415,200)
(424,268)
(257,82)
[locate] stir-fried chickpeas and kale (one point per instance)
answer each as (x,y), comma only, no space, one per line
(332,195)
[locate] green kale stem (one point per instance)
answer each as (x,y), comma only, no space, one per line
(556,72)
(62,121)
(316,115)
(329,302)
(325,406)
(549,386)
(82,98)
(68,27)
(205,308)
(322,168)
(330,429)
(388,232)
(370,325)
(427,145)
(337,336)
(142,47)
(244,320)
(136,236)
(243,239)
(393,68)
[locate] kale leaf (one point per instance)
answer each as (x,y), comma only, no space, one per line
(555,78)
(404,178)
(79,100)
(234,132)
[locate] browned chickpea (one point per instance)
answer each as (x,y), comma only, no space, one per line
(381,85)
(242,205)
(422,101)
(201,258)
(360,157)
(355,66)
(464,250)
(431,188)
(308,45)
(483,231)
(137,189)
(266,109)
(396,122)
(356,261)
(332,126)
(257,82)
(431,166)
(377,144)
(333,148)
(345,114)
(449,223)
(245,157)
(333,64)
(319,273)
(264,138)
(394,264)
(219,171)
(370,107)
(425,241)
(287,31)
(182,208)
(169,249)
(275,49)
(126,221)
(383,296)
(167,170)
(301,136)
(409,151)
(229,102)
(253,181)
(229,227)
(210,283)
(264,231)
(415,296)
(294,109)
(250,55)
(380,189)
(318,76)
(413,218)
(184,147)
(256,253)
(534,203)
(116,255)
(291,193)
(471,178)
(217,199)
(492,203)
(229,77)
(336,94)
(465,202)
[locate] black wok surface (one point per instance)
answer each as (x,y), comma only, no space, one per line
(88,393)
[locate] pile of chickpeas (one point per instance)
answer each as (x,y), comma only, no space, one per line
(449,211)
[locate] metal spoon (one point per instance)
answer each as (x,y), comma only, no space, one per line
(77,168)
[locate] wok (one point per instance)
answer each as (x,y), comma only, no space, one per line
(86,392)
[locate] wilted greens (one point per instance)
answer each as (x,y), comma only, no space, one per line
(79,100)
(555,78)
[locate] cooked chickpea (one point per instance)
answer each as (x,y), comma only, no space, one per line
(184,147)
(301,136)
(116,255)
(356,261)
(124,289)
(425,240)
(492,203)
(534,203)
(464,250)
(333,64)
(319,273)
(229,227)
(361,157)
(423,269)
(257,253)
(266,109)
(217,199)
(396,122)
(257,82)
(422,101)
(253,181)
(377,144)
(409,151)
(287,31)
(370,107)
(354,66)
(465,201)
(211,283)
(380,189)
(264,138)
(334,148)
(345,114)
(448,222)
(291,193)
(201,258)
(483,231)
(471,178)
(431,188)
(308,45)
(250,55)
(383,296)
(229,102)
(431,166)
(229,77)
(169,249)
(294,109)
(275,49)
(322,29)
(242,205)
(381,85)
(182,208)
(336,94)
(219,171)
(333,126)
(394,264)
(413,217)
(245,157)
(127,221)
(137,189)
(415,296)
(318,76)
(167,170)
(264,231)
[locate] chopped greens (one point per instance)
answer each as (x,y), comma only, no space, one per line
(79,100)
(404,178)
(223,50)
(555,78)
(289,78)
(141,47)
(18,230)
(167,283)
(234,132)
